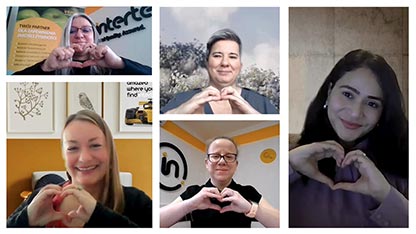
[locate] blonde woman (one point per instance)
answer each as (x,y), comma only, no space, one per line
(93,196)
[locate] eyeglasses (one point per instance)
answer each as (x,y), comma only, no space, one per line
(229,158)
(85,30)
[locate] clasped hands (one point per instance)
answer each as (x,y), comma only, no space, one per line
(224,201)
(94,55)
(371,182)
(74,208)
(195,105)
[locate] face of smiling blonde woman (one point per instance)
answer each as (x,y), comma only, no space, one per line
(224,63)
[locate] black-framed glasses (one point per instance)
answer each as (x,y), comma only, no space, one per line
(229,158)
(85,30)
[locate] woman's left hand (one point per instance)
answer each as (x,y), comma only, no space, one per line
(238,104)
(371,182)
(86,201)
(238,203)
(102,56)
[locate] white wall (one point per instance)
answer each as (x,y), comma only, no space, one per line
(251,170)
(197,173)
(136,46)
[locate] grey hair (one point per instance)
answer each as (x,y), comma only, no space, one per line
(66,41)
(221,35)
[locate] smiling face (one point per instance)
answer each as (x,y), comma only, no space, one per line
(81,32)
(221,172)
(224,64)
(86,153)
(355,104)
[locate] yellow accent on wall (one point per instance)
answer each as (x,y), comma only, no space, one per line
(27,155)
(258,135)
(184,135)
(90,10)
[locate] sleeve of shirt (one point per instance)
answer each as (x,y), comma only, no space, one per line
(293,175)
(19,217)
(133,68)
(258,101)
(393,211)
(34,70)
(178,99)
(138,213)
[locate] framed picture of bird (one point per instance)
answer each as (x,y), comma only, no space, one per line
(84,95)
(30,107)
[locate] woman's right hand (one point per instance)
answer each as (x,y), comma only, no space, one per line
(195,105)
(40,211)
(304,159)
(60,58)
(202,200)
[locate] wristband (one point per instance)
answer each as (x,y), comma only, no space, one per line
(253,210)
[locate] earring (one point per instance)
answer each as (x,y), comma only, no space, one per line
(326,105)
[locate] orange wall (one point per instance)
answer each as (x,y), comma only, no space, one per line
(27,155)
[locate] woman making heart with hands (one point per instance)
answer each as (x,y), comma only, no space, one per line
(220,202)
(82,54)
(351,160)
(94,196)
(223,95)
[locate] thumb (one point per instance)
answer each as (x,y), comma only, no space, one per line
(89,63)
(344,186)
(225,209)
(75,64)
(323,179)
(58,216)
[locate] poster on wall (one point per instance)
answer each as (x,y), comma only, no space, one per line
(30,107)
(36,32)
(84,95)
(136,107)
(126,30)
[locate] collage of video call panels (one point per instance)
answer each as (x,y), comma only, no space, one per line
(287,115)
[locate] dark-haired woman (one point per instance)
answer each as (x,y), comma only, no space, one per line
(350,166)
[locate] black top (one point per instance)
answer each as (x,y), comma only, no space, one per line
(137,212)
(213,218)
(259,102)
(130,68)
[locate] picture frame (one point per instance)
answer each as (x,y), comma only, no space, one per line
(136,113)
(84,95)
(30,107)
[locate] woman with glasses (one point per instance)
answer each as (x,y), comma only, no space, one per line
(220,202)
(82,54)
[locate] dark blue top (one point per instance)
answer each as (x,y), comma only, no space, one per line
(259,102)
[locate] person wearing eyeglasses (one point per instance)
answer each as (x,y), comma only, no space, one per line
(82,54)
(220,202)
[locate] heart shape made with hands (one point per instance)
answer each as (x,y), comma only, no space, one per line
(219,203)
(84,51)
(65,205)
(346,161)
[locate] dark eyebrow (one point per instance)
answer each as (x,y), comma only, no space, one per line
(358,92)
